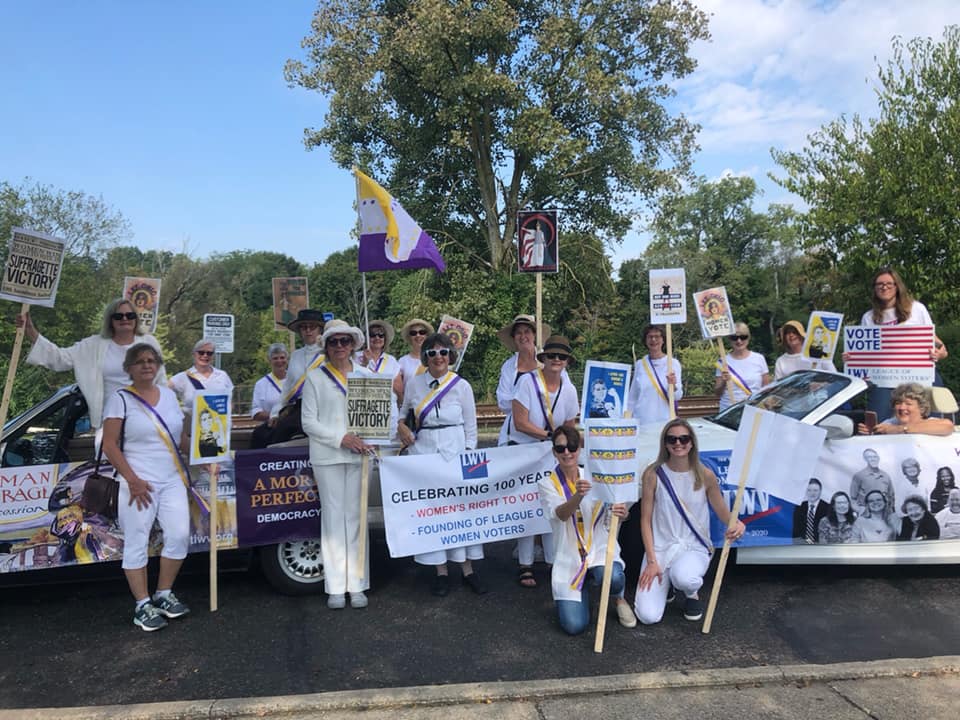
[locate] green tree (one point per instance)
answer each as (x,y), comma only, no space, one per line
(473,111)
(884,191)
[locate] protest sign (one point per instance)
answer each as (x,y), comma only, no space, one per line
(605,387)
(823,331)
(713,311)
(668,296)
(144,295)
(459,332)
(538,241)
(431,503)
(32,272)
(290,296)
(369,407)
(219,327)
(612,459)
(210,428)
(889,355)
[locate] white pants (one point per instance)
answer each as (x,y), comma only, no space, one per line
(339,487)
(525,549)
(457,555)
(169,506)
(685,574)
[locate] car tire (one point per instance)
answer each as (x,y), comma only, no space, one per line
(294,568)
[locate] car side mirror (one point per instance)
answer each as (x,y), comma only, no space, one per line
(837,426)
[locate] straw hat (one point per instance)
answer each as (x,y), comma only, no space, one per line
(387,328)
(405,330)
(792,325)
(505,334)
(339,327)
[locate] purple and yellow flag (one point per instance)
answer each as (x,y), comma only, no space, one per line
(389,238)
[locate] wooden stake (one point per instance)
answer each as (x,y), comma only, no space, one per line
(364,488)
(726,369)
(214,478)
(734,517)
(607,578)
(671,399)
(539,311)
(12,370)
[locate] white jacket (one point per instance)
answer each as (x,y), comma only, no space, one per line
(85,358)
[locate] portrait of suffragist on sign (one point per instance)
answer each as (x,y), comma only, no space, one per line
(605,388)
(713,311)
(537,249)
(210,436)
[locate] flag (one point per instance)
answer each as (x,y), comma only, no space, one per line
(389,238)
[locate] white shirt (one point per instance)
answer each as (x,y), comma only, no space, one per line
(644,400)
(297,365)
(388,364)
(114,376)
(751,369)
(456,409)
(410,367)
(217,381)
(143,445)
(266,393)
(671,534)
(789,363)
(918,316)
(566,562)
(564,403)
(949,523)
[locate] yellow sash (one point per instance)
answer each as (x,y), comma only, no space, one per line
(653,379)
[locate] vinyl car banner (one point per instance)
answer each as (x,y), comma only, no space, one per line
(889,355)
(431,503)
(713,312)
(144,295)
(668,296)
(32,272)
(612,459)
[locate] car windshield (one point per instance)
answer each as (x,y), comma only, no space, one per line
(795,396)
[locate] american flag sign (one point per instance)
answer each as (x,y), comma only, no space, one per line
(889,356)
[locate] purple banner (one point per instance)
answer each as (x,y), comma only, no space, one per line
(277,496)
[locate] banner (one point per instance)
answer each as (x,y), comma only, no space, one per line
(612,459)
(713,312)
(823,333)
(459,332)
(370,407)
(889,355)
(668,296)
(277,500)
(144,295)
(478,496)
(605,387)
(538,242)
(32,272)
(290,296)
(210,428)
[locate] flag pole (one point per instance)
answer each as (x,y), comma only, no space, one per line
(539,311)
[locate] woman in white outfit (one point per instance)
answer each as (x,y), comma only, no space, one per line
(335,456)
(791,336)
(374,356)
(747,371)
(142,428)
(520,336)
(266,391)
(445,422)
(580,527)
(675,522)
(544,400)
(648,400)
(413,332)
(97,361)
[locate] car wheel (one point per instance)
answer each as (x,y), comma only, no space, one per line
(294,568)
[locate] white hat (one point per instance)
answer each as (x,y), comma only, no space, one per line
(339,327)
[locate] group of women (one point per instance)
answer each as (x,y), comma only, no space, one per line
(121,374)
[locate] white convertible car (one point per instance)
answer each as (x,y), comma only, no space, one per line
(904,467)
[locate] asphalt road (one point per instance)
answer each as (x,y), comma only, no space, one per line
(75,644)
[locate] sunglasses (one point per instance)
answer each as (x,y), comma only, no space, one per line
(674,439)
(555,356)
(739,337)
(561,449)
(414,333)
(204,353)
(124,316)
(309,327)
(377,335)
(442,352)
(341,341)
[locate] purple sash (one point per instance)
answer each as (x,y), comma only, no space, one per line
(269,377)
(435,400)
(656,375)
(336,381)
(547,416)
(665,481)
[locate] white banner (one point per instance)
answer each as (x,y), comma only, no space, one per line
(612,459)
(889,355)
(475,497)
